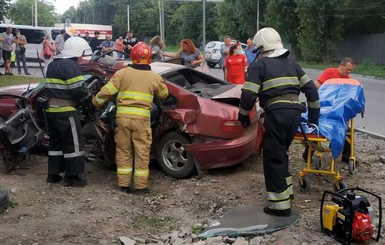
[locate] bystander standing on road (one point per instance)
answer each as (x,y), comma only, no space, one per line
(191,56)
(87,37)
(156,45)
(47,52)
(21,42)
(225,49)
(130,41)
(59,41)
(250,55)
(7,40)
(235,65)
(95,42)
(119,46)
(108,45)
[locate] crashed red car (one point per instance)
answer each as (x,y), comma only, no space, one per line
(196,126)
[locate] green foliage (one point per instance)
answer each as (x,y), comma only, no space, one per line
(361,17)
(21,13)
(319,28)
(4,7)
(238,18)
(12,203)
(281,15)
(199,228)
(13,80)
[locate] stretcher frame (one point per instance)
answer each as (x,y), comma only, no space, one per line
(315,143)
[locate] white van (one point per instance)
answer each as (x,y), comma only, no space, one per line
(34,35)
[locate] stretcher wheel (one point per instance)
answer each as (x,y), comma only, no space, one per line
(338,186)
(305,186)
(351,166)
(316,160)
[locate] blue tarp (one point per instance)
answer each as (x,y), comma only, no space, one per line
(340,102)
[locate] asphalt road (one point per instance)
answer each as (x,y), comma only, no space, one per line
(374,94)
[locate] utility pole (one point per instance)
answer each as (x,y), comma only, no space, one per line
(35,12)
(257,15)
(204,26)
(128,17)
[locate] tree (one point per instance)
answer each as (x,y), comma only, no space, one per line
(21,13)
(69,14)
(4,7)
(281,15)
(362,17)
(238,18)
(319,28)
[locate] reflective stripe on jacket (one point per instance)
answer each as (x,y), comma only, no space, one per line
(65,82)
(134,90)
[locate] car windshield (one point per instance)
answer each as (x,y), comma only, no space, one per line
(210,45)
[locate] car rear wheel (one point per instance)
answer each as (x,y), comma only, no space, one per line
(211,64)
(173,158)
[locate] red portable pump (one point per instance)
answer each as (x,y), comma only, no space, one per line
(349,217)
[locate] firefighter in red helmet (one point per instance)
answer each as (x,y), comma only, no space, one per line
(135,87)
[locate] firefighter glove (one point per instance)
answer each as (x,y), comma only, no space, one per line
(244,119)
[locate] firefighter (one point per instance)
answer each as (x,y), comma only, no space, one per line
(277,81)
(135,87)
(64,89)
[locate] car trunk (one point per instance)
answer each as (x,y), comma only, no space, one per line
(216,113)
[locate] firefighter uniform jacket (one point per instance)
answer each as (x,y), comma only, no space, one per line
(65,87)
(135,90)
(64,82)
(274,77)
(277,82)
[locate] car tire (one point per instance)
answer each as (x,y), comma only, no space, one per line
(211,64)
(173,158)
(4,200)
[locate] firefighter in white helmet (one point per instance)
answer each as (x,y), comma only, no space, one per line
(277,81)
(64,89)
(135,87)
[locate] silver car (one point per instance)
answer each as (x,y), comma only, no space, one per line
(213,54)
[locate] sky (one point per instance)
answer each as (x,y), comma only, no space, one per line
(63,5)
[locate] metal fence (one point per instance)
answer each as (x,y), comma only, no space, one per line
(362,48)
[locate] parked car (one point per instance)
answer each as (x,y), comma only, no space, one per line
(213,54)
(196,128)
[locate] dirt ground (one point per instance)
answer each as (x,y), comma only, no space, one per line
(99,213)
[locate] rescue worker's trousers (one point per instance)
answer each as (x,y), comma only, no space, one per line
(281,126)
(66,147)
(133,141)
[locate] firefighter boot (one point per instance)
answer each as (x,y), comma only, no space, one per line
(74,181)
(53,178)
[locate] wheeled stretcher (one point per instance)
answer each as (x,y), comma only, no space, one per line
(341,100)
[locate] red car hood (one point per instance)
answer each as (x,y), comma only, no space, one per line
(17,89)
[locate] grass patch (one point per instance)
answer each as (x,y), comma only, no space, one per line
(14,80)
(172,48)
(365,68)
(12,203)
(155,224)
(197,229)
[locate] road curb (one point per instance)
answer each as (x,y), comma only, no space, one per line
(378,136)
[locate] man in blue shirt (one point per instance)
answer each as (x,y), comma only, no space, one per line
(249,51)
